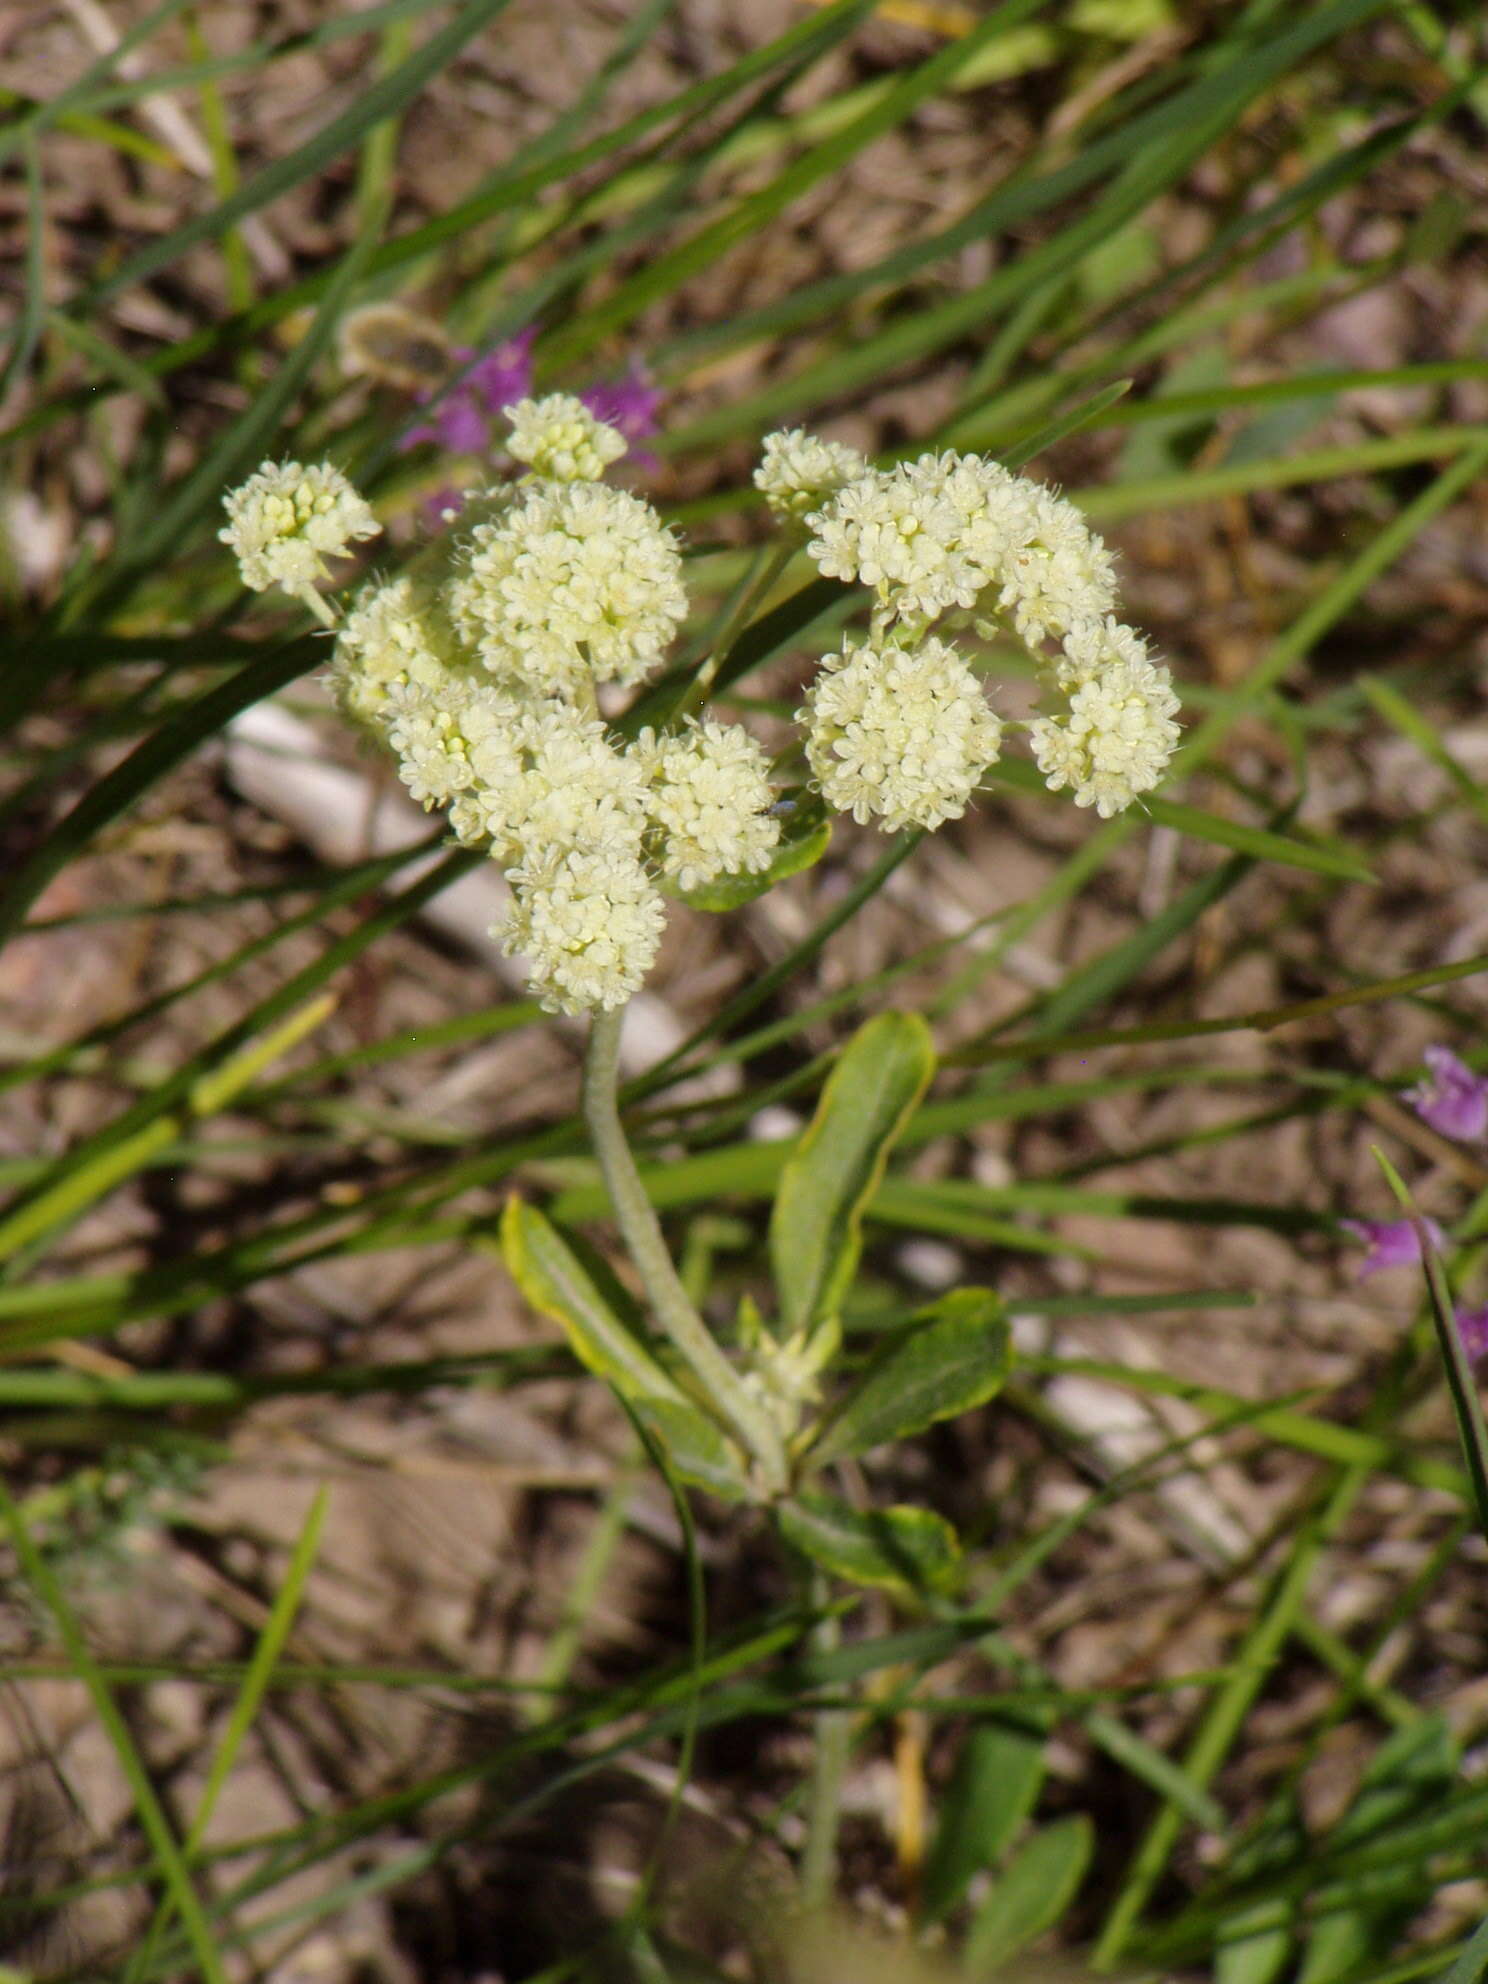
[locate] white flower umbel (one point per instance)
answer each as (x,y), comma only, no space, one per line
(395,634)
(797,472)
(1115,741)
(588,922)
(573,583)
(899,734)
(560,439)
(437,731)
(286,520)
(1059,575)
(709,796)
(896,532)
(553,783)
(1092,647)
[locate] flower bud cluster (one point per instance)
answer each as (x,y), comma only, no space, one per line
(479,670)
(898,729)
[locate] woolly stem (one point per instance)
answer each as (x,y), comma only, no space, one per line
(641,1230)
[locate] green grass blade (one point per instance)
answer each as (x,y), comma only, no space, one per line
(151,1813)
(383,99)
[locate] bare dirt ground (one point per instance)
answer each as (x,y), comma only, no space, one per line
(459,1517)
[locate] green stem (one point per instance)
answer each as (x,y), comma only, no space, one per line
(831,1748)
(641,1230)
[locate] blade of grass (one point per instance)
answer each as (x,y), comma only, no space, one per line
(256,1681)
(151,1814)
(385,97)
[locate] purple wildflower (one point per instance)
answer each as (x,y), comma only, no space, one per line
(504,375)
(1472,1328)
(630,405)
(1392,1243)
(1452,1099)
(461,422)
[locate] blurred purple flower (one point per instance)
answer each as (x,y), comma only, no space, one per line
(461,422)
(629,405)
(1472,1327)
(1392,1243)
(1452,1099)
(442,506)
(505,373)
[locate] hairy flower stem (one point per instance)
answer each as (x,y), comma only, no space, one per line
(641,1231)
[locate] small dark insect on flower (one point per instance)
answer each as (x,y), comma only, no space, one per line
(396,346)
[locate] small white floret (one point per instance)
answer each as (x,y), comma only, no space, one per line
(288,518)
(561,440)
(394,634)
(589,924)
(552,782)
(572,583)
(709,796)
(1115,742)
(901,735)
(798,471)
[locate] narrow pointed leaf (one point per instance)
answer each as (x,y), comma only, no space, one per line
(815,1227)
(955,1355)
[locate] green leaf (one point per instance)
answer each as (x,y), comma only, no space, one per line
(803,841)
(696,1448)
(556,1283)
(1407,1776)
(1257,842)
(1037,1887)
(991,1792)
(955,1355)
(897,1548)
(837,1166)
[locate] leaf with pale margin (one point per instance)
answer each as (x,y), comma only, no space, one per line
(895,1549)
(556,1283)
(815,1227)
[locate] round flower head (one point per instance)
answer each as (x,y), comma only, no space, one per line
(710,797)
(589,922)
(1091,648)
(551,782)
(1116,740)
(903,734)
(896,531)
(573,582)
(797,472)
(437,731)
(285,521)
(395,634)
(1059,575)
(561,440)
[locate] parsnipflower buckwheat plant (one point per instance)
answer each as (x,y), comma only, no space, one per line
(496,668)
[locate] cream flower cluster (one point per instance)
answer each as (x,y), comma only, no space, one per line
(798,471)
(478,668)
(558,437)
(902,734)
(285,521)
(898,729)
(572,583)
